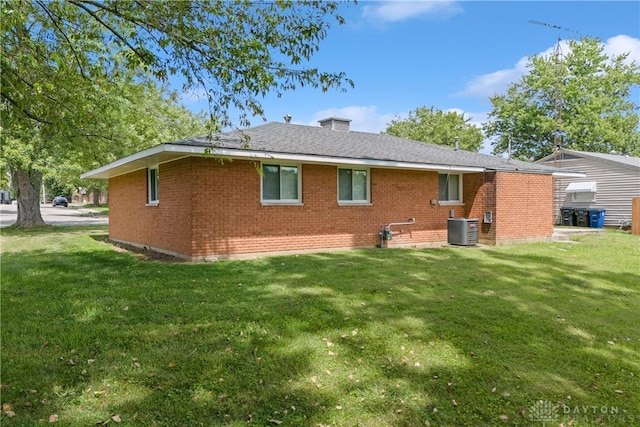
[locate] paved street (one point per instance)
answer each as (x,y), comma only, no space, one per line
(54,216)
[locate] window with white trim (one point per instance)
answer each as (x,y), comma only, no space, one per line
(449,188)
(353,185)
(281,184)
(153,186)
(585,197)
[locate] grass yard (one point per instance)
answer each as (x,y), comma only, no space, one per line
(541,334)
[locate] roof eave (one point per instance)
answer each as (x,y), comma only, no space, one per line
(168,152)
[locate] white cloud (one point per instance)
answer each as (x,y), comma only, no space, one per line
(398,10)
(622,44)
(497,82)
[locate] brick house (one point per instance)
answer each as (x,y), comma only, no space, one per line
(282,188)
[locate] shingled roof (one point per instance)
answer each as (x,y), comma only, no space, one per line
(285,141)
(319,141)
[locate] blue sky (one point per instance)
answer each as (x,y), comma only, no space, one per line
(452,55)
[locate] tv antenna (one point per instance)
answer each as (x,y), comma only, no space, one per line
(557,93)
(557,108)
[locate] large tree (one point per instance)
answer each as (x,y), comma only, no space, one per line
(438,127)
(580,99)
(63,62)
(138,115)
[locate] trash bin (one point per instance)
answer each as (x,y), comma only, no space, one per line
(596,217)
(582,217)
(568,216)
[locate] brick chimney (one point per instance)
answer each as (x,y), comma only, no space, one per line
(335,123)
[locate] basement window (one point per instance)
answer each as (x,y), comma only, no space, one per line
(281,184)
(449,188)
(152,187)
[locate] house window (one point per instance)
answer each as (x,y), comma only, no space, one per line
(584,192)
(280,184)
(586,197)
(449,188)
(353,185)
(152,186)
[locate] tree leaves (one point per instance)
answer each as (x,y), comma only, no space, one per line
(580,101)
(437,127)
(75,74)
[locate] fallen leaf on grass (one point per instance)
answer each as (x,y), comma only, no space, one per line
(619,391)
(172,365)
(7,409)
(116,419)
(276,422)
(53,418)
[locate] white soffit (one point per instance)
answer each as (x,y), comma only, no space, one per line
(582,187)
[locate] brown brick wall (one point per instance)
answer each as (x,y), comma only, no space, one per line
(166,226)
(229,218)
(210,209)
(524,207)
(480,196)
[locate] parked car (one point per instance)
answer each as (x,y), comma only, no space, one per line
(60,201)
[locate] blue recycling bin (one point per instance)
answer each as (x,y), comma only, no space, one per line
(596,218)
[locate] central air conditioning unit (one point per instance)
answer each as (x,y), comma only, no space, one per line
(462,231)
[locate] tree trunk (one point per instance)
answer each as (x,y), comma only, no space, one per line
(27,184)
(96,196)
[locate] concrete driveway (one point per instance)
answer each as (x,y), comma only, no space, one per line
(55,215)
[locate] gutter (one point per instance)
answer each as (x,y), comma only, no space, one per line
(169,152)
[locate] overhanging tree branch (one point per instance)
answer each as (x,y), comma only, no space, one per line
(64,35)
(139,53)
(24,111)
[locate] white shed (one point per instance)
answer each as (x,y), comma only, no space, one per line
(611,182)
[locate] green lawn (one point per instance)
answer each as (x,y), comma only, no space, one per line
(439,337)
(96,209)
